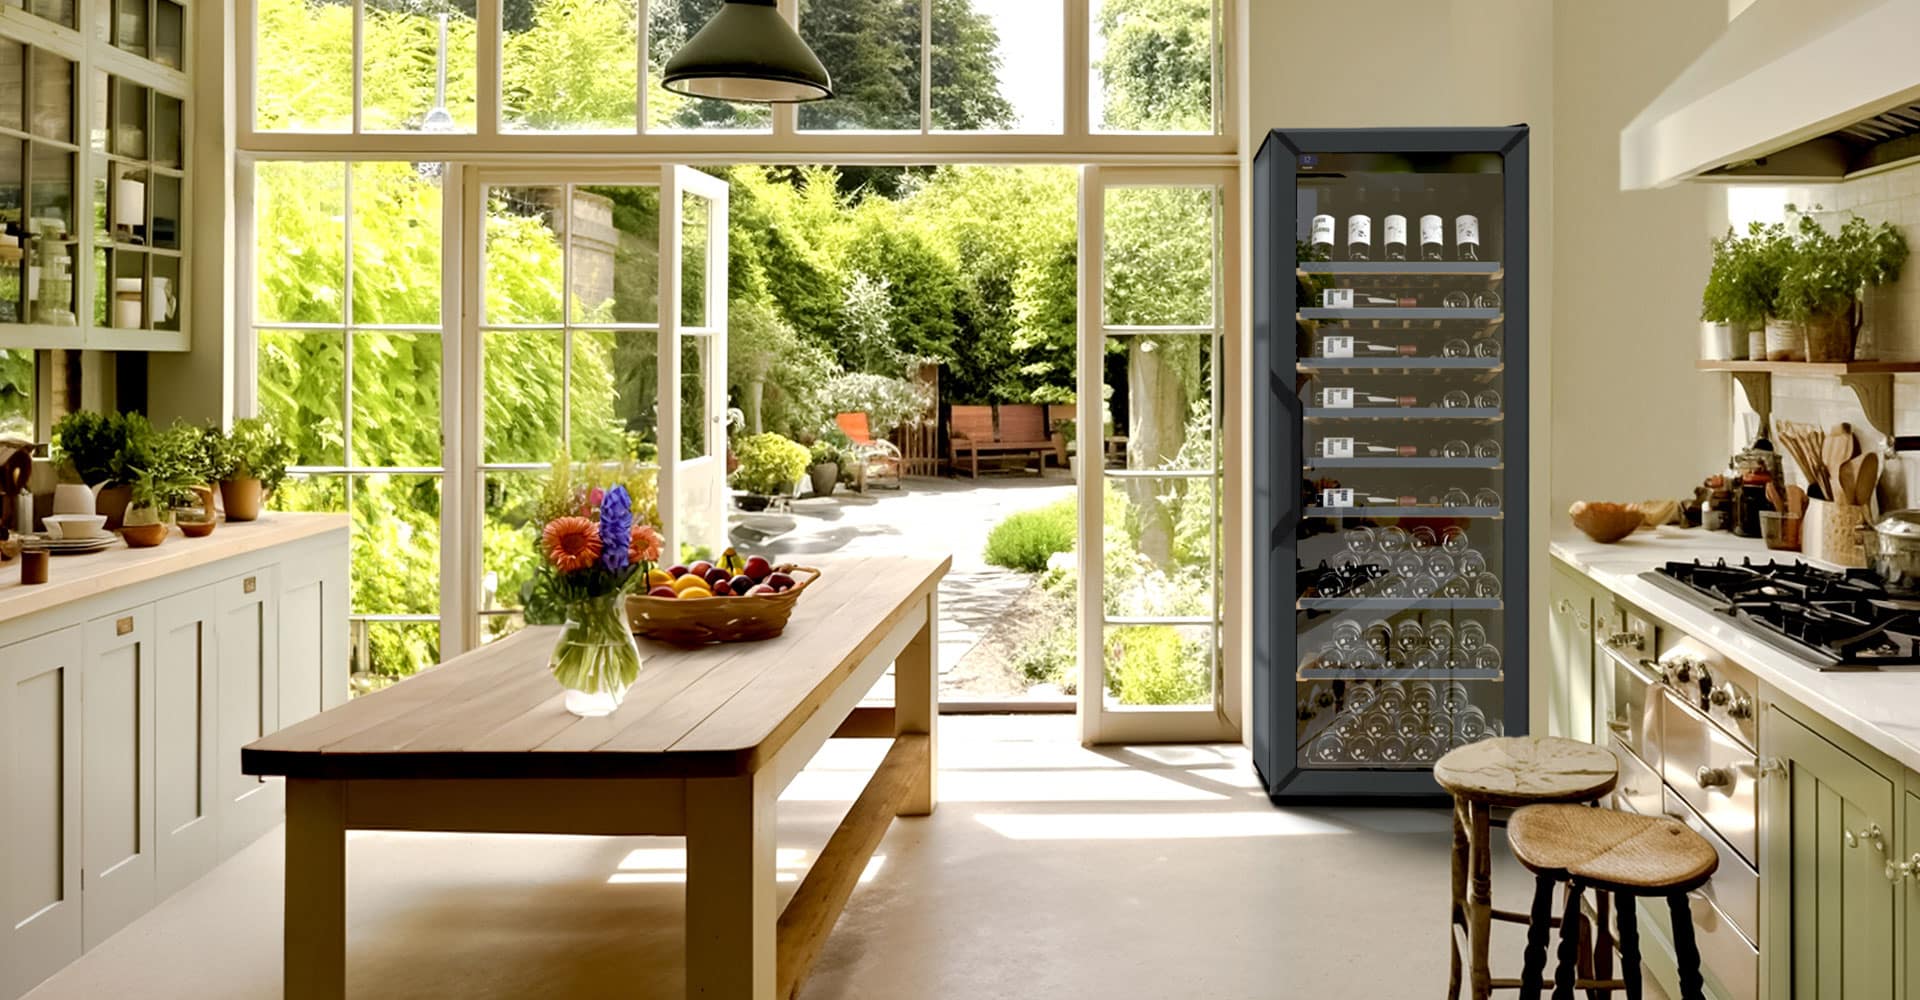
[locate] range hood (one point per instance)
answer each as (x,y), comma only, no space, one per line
(1792,90)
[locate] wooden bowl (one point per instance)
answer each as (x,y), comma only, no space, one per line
(718,619)
(1605,523)
(143,536)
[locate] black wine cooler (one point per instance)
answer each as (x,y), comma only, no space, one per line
(1390,454)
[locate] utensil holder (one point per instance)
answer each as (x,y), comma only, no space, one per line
(1827,533)
(1780,531)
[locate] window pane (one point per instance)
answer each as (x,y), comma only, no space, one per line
(522,403)
(302,375)
(396,544)
(872,51)
(396,399)
(300,272)
(303,65)
(51,199)
(616,254)
(169,33)
(1159,402)
(129,119)
(396,244)
(12,197)
(509,552)
(324,494)
(406,45)
(694,423)
(570,65)
(52,96)
(696,220)
(997,65)
(13,58)
(1160,245)
(1160,664)
(613,395)
(669,24)
(16,394)
(1153,65)
(384,651)
(130,25)
(57,11)
(1160,540)
(523,271)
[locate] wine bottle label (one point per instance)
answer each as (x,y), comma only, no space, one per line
(1338,399)
(1336,347)
(1359,229)
(1466,229)
(1336,447)
(1323,229)
(1430,227)
(1396,228)
(1336,498)
(1337,298)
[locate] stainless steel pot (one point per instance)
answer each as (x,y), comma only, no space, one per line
(1893,550)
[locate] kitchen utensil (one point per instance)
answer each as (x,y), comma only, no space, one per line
(1798,439)
(1796,501)
(75,498)
(1893,550)
(1849,474)
(1776,497)
(1605,523)
(1835,450)
(1867,479)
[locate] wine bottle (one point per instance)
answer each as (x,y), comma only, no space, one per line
(1395,245)
(1323,237)
(1466,237)
(1345,398)
(1349,346)
(1346,447)
(1431,247)
(1359,237)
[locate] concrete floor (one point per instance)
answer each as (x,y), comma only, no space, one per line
(1050,870)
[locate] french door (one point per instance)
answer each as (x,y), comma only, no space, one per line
(597,338)
(1155,305)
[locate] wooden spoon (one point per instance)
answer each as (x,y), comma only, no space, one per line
(1796,502)
(1775,497)
(1866,479)
(1849,476)
(1835,451)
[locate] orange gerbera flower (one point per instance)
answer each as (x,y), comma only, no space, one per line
(572,543)
(646,544)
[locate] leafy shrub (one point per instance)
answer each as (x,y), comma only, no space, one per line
(1026,539)
(252,448)
(89,444)
(823,452)
(1151,665)
(769,464)
(888,402)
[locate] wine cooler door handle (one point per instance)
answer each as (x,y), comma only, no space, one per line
(1292,453)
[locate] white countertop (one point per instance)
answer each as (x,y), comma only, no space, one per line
(1882,707)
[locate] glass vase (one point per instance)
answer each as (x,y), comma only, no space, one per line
(596,659)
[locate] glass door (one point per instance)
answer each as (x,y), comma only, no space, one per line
(1401,345)
(1153,368)
(693,369)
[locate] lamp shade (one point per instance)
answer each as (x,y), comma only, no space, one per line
(748,53)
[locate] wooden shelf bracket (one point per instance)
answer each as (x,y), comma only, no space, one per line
(1875,391)
(1758,387)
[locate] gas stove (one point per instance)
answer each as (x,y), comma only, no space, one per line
(1833,619)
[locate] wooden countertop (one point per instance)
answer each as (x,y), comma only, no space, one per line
(708,711)
(71,578)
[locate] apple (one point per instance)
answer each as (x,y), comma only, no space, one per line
(760,590)
(677,571)
(716,575)
(663,591)
(758,568)
(701,568)
(720,589)
(741,584)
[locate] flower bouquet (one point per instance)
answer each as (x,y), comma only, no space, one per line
(590,560)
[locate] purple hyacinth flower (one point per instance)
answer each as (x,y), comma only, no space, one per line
(616,522)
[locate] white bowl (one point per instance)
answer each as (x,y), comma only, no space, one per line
(75,526)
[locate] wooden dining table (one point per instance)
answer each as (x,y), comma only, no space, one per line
(701,748)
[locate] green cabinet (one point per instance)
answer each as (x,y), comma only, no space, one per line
(1574,604)
(1829,830)
(1910,887)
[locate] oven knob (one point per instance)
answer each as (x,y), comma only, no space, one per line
(1742,708)
(1713,777)
(1679,672)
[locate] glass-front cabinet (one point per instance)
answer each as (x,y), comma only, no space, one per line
(93,181)
(1390,305)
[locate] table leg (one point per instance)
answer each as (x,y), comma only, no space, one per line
(731,915)
(916,704)
(315,926)
(1457,915)
(1480,902)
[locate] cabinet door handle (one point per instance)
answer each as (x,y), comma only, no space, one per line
(1873,836)
(248,585)
(1565,607)
(1714,777)
(1621,726)
(123,626)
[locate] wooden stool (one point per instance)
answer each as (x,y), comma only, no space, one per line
(1506,771)
(1625,855)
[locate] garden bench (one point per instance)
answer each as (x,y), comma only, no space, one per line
(970,432)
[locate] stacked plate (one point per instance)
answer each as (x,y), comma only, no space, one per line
(74,546)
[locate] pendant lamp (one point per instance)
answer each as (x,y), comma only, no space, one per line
(748,53)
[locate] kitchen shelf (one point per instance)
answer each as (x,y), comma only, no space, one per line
(1398,674)
(1483,513)
(1490,268)
(1403,463)
(1401,413)
(1376,765)
(1399,604)
(1402,312)
(1871,382)
(1810,367)
(1476,365)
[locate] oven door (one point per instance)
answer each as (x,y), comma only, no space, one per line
(1711,771)
(1632,722)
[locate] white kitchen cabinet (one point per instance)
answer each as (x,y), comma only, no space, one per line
(248,632)
(186,687)
(1572,603)
(40,929)
(116,751)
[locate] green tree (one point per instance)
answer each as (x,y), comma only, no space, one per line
(1157,72)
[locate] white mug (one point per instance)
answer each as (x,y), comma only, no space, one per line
(75,498)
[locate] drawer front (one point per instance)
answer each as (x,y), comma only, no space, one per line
(1633,719)
(1692,749)
(1735,888)
(1639,788)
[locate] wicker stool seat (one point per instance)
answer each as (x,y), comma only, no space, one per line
(1624,855)
(1506,771)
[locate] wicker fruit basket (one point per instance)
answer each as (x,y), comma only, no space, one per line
(719,619)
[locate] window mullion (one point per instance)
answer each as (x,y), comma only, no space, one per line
(566,320)
(1079,68)
(488,54)
(786,117)
(641,70)
(359,55)
(926,66)
(346,317)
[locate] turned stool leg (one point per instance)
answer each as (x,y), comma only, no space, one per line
(1458,916)
(1480,904)
(1533,972)
(1628,914)
(1602,944)
(1569,968)
(1686,954)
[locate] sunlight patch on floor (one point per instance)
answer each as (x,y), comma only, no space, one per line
(1152,826)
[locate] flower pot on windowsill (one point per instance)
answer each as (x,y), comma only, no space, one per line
(241,497)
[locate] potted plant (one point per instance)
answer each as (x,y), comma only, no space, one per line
(824,467)
(1741,294)
(250,461)
(1826,274)
(200,448)
(161,468)
(770,467)
(89,446)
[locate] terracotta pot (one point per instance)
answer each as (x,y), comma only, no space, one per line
(241,497)
(1830,337)
(112,501)
(144,536)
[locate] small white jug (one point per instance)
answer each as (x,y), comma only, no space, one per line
(75,498)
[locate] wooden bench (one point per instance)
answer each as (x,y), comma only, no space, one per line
(701,748)
(970,432)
